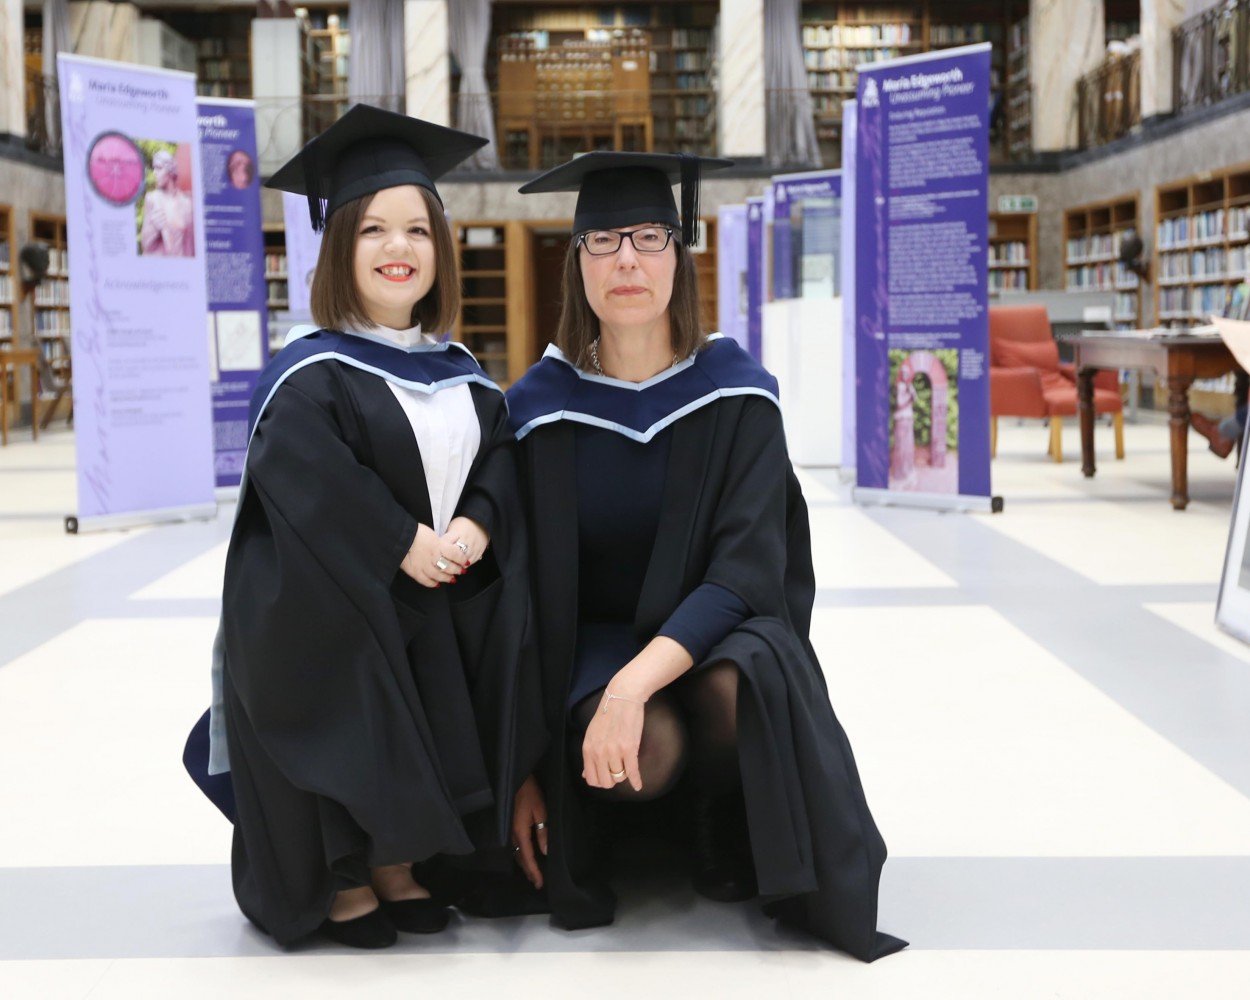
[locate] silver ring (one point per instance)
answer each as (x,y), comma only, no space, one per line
(462,547)
(516,848)
(443,564)
(540,826)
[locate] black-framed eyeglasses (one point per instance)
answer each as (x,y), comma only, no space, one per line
(649,239)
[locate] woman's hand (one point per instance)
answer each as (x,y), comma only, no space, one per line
(470,534)
(529,809)
(611,743)
(421,562)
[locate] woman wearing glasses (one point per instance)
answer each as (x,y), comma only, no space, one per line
(673,577)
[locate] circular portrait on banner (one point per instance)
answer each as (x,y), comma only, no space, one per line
(240,169)
(115,168)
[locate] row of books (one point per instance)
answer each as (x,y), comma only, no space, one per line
(4,255)
(6,324)
(58,260)
(1125,305)
(1091,276)
(277,292)
(963,34)
(819,35)
(684,37)
(1013,252)
(1015,281)
(1098,245)
(6,290)
(1206,263)
(275,263)
(52,321)
(222,69)
(52,293)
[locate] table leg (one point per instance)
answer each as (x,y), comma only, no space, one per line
(1178,408)
(1085,396)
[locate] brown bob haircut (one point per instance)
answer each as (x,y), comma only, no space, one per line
(335,301)
(579,326)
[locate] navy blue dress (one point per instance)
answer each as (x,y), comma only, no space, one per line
(620,489)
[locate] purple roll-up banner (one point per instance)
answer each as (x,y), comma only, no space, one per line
(138,299)
(756,261)
(237,319)
(303,245)
(847,263)
(807,234)
(731,267)
(921,320)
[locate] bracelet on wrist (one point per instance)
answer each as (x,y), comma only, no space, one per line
(609,696)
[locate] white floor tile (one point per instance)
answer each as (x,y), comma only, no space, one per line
(852,551)
(92,726)
(972,740)
(199,578)
(1198,619)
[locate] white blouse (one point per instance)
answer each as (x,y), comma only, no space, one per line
(446,428)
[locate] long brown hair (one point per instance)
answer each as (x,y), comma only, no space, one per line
(579,326)
(336,302)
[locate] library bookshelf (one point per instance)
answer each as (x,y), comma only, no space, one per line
(1202,238)
(839,36)
(1012,252)
(8,278)
(1092,235)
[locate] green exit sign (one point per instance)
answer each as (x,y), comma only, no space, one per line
(1009,203)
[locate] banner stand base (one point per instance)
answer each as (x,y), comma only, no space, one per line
(227,494)
(871,497)
(75,525)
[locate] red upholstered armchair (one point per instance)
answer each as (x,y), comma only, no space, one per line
(1027,378)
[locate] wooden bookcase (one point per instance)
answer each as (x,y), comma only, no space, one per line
(276,279)
(8,278)
(839,36)
(573,78)
(482,325)
(1092,236)
(223,49)
(705,263)
(331,40)
(51,305)
(1012,252)
(1202,243)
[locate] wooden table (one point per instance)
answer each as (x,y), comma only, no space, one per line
(1177,357)
(11,360)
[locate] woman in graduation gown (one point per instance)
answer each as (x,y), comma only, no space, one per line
(674,586)
(370,686)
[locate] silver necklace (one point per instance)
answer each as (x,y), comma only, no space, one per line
(594,357)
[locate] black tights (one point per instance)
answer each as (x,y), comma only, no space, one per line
(692,721)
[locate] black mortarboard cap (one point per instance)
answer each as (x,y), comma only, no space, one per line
(624,189)
(367,150)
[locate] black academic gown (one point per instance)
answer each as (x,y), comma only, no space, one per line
(733,514)
(369,720)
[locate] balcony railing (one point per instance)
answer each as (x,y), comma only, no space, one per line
(1211,56)
(1109,100)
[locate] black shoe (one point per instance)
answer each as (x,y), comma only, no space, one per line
(417,916)
(373,930)
(723,869)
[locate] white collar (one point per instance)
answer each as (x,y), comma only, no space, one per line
(402,338)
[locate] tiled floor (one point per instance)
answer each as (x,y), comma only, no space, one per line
(1053,735)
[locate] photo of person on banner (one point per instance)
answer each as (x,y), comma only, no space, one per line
(240,169)
(924,421)
(166,214)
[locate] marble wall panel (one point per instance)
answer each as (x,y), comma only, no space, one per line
(427,60)
(1066,41)
(741,80)
(12,75)
(104,30)
(1158,19)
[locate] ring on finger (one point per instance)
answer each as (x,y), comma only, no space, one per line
(462,547)
(617,776)
(442,564)
(540,825)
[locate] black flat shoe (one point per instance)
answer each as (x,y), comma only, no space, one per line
(373,930)
(723,869)
(417,916)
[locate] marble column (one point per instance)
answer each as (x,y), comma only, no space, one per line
(1158,19)
(104,30)
(427,60)
(1067,39)
(277,52)
(740,91)
(12,72)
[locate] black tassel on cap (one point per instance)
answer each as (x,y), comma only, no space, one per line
(689,199)
(313,188)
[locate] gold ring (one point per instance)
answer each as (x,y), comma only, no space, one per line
(617,775)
